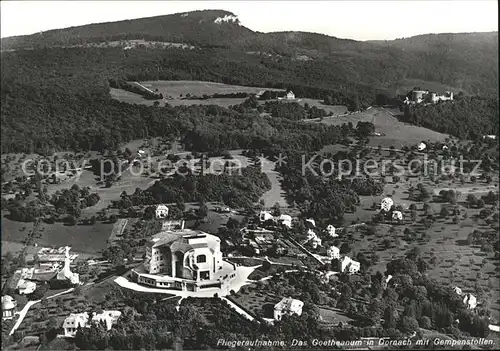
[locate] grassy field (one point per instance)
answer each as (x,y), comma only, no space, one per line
(198,88)
(178,89)
(394,133)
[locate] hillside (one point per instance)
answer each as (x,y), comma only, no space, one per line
(467,61)
(61,90)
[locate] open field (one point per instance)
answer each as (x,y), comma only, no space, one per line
(87,239)
(178,89)
(395,133)
(198,88)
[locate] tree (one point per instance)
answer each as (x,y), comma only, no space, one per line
(408,324)
(471,200)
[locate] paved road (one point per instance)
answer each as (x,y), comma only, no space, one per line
(26,308)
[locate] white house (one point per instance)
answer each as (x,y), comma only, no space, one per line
(82,320)
(264,216)
(422,146)
(287,306)
(330,230)
(397,216)
(349,265)
(333,252)
(290,95)
(470,300)
(161,211)
(286,220)
(73,322)
(25,287)
(386,204)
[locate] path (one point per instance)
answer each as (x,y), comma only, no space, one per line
(26,308)
(238,309)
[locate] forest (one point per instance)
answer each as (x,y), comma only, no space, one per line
(58,98)
(465,118)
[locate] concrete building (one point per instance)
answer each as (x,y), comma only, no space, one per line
(161,212)
(290,95)
(184,260)
(287,306)
(349,265)
(9,307)
(83,320)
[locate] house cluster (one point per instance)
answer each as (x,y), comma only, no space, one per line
(345,264)
(83,320)
(424,96)
(283,219)
(260,239)
(387,208)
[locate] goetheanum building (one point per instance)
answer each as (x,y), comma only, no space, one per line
(184,260)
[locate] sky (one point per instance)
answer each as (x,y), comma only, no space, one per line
(359,20)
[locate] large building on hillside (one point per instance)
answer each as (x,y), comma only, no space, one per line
(184,260)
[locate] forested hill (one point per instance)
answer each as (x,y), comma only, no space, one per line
(466,62)
(54,98)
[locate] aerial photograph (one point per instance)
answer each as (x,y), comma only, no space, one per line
(250,175)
